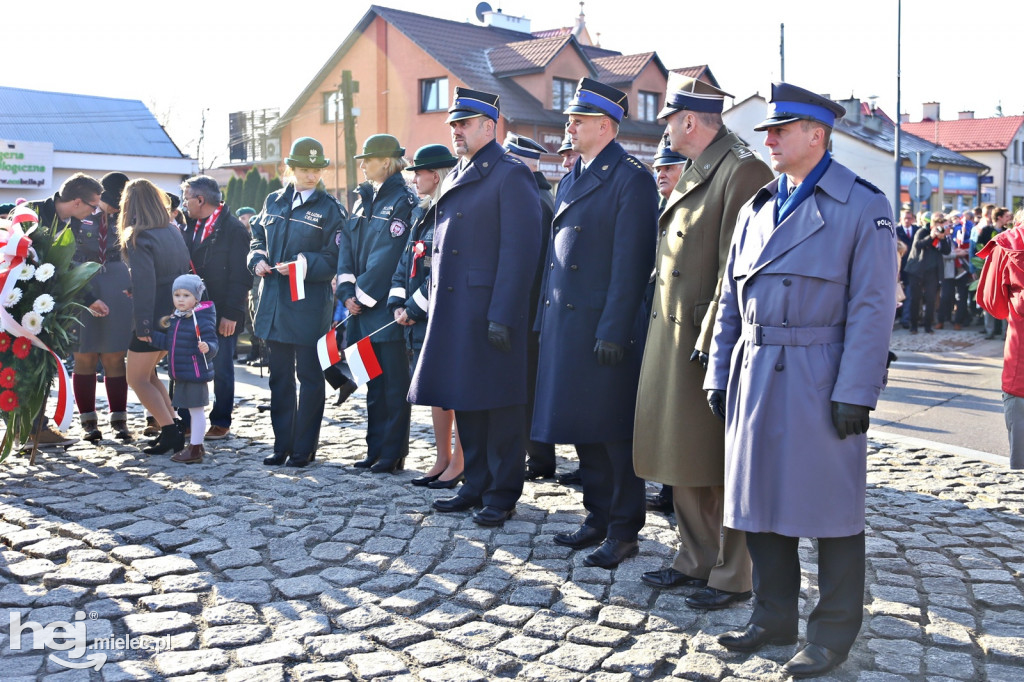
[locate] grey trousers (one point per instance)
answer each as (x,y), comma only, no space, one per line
(1013,413)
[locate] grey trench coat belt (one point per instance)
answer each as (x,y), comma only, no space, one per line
(760,335)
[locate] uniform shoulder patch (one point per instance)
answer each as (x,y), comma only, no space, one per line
(635,162)
(511,159)
(741,151)
(397,228)
(869,185)
(885,224)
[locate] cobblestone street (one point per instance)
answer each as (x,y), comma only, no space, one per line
(249,572)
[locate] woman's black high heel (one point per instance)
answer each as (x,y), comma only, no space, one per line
(388,466)
(447,485)
(424,481)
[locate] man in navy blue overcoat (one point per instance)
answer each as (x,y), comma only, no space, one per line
(486,248)
(591,321)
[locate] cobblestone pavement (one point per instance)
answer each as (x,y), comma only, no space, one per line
(245,572)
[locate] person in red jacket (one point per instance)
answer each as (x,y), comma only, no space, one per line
(1001,294)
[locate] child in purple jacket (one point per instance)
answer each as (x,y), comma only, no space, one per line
(190,337)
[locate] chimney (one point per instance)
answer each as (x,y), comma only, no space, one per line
(852,107)
(931,111)
(500,20)
(904,118)
(964,115)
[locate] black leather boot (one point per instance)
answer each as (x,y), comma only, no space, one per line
(170,440)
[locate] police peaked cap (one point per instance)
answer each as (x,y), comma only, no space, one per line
(691,94)
(566,144)
(470,103)
(307,153)
(666,157)
(593,98)
(432,157)
(791,103)
(521,145)
(381,146)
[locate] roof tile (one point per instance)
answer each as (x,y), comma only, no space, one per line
(969,134)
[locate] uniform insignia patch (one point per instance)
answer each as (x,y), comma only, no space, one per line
(397,228)
(386,211)
(314,217)
(337,238)
(886,224)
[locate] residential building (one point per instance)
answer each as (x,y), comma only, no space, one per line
(45,137)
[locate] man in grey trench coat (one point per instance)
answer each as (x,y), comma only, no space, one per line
(797,362)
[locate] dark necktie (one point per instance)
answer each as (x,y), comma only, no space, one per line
(103,237)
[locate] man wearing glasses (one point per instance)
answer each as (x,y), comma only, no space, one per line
(924,270)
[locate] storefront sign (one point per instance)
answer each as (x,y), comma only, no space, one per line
(26,164)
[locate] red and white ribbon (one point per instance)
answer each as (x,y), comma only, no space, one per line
(65,394)
(15,246)
(417,252)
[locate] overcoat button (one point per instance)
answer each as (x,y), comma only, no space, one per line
(679,234)
(786,282)
(672,317)
(459,214)
(570,306)
(663,233)
(551,267)
(654,314)
(574,267)
(675,273)
(455,252)
(577,228)
(440,212)
(779,367)
(451,288)
(547,302)
(436,250)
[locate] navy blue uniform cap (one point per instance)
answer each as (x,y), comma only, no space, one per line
(593,98)
(470,103)
(791,103)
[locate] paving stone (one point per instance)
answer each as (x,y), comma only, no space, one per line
(86,573)
(492,662)
(476,635)
(700,667)
(548,626)
(141,530)
(997,595)
(957,665)
(233,635)
(189,582)
(234,558)
(432,652)
(447,616)
(314,672)
(126,554)
(164,565)
(270,652)
(478,599)
(126,590)
(128,671)
(453,672)
(597,635)
(28,570)
(256,673)
(376,664)
(22,538)
(185,662)
(409,601)
(139,624)
(20,595)
(305,586)
(247,591)
(512,616)
(250,573)
(400,634)
(333,647)
(344,576)
(294,620)
(173,601)
(52,548)
(526,648)
(362,618)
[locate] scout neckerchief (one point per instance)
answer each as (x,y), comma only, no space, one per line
(208,226)
(786,203)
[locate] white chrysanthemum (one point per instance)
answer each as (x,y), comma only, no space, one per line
(26,272)
(32,321)
(45,272)
(11,298)
(43,304)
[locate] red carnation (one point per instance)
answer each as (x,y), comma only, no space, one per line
(5,342)
(8,401)
(20,347)
(7,377)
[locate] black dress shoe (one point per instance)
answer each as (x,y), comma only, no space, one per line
(710,599)
(585,536)
(813,660)
(366,462)
(276,459)
(670,577)
(752,638)
(388,466)
(455,504)
(660,503)
(611,553)
(446,485)
(570,478)
(492,516)
(300,460)
(424,481)
(346,389)
(537,473)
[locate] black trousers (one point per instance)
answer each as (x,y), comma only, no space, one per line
(836,619)
(612,494)
(922,289)
(492,442)
(954,291)
(387,408)
(540,455)
(296,423)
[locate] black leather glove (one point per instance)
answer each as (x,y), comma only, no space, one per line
(716,401)
(608,353)
(499,336)
(849,419)
(702,358)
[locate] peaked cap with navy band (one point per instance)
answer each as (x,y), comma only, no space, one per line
(691,94)
(432,157)
(566,144)
(468,103)
(521,145)
(597,99)
(666,157)
(791,103)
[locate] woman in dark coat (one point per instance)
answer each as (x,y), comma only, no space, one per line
(107,326)
(156,254)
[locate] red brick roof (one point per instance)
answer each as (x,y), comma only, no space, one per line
(622,68)
(553,32)
(969,134)
(525,55)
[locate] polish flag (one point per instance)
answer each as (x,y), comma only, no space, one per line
(297,278)
(362,361)
(327,349)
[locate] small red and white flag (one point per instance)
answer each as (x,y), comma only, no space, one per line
(327,349)
(362,362)
(297,278)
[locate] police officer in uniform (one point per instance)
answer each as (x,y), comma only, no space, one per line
(677,441)
(370,247)
(298,222)
(796,365)
(486,246)
(590,318)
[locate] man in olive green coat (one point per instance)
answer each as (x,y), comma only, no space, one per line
(677,440)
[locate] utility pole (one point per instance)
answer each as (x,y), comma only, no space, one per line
(337,159)
(897,158)
(782,52)
(349,88)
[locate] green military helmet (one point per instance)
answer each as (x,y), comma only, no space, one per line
(381,146)
(431,157)
(307,153)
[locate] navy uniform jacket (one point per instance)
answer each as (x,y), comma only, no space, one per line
(220,261)
(599,261)
(370,247)
(486,247)
(411,290)
(279,234)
